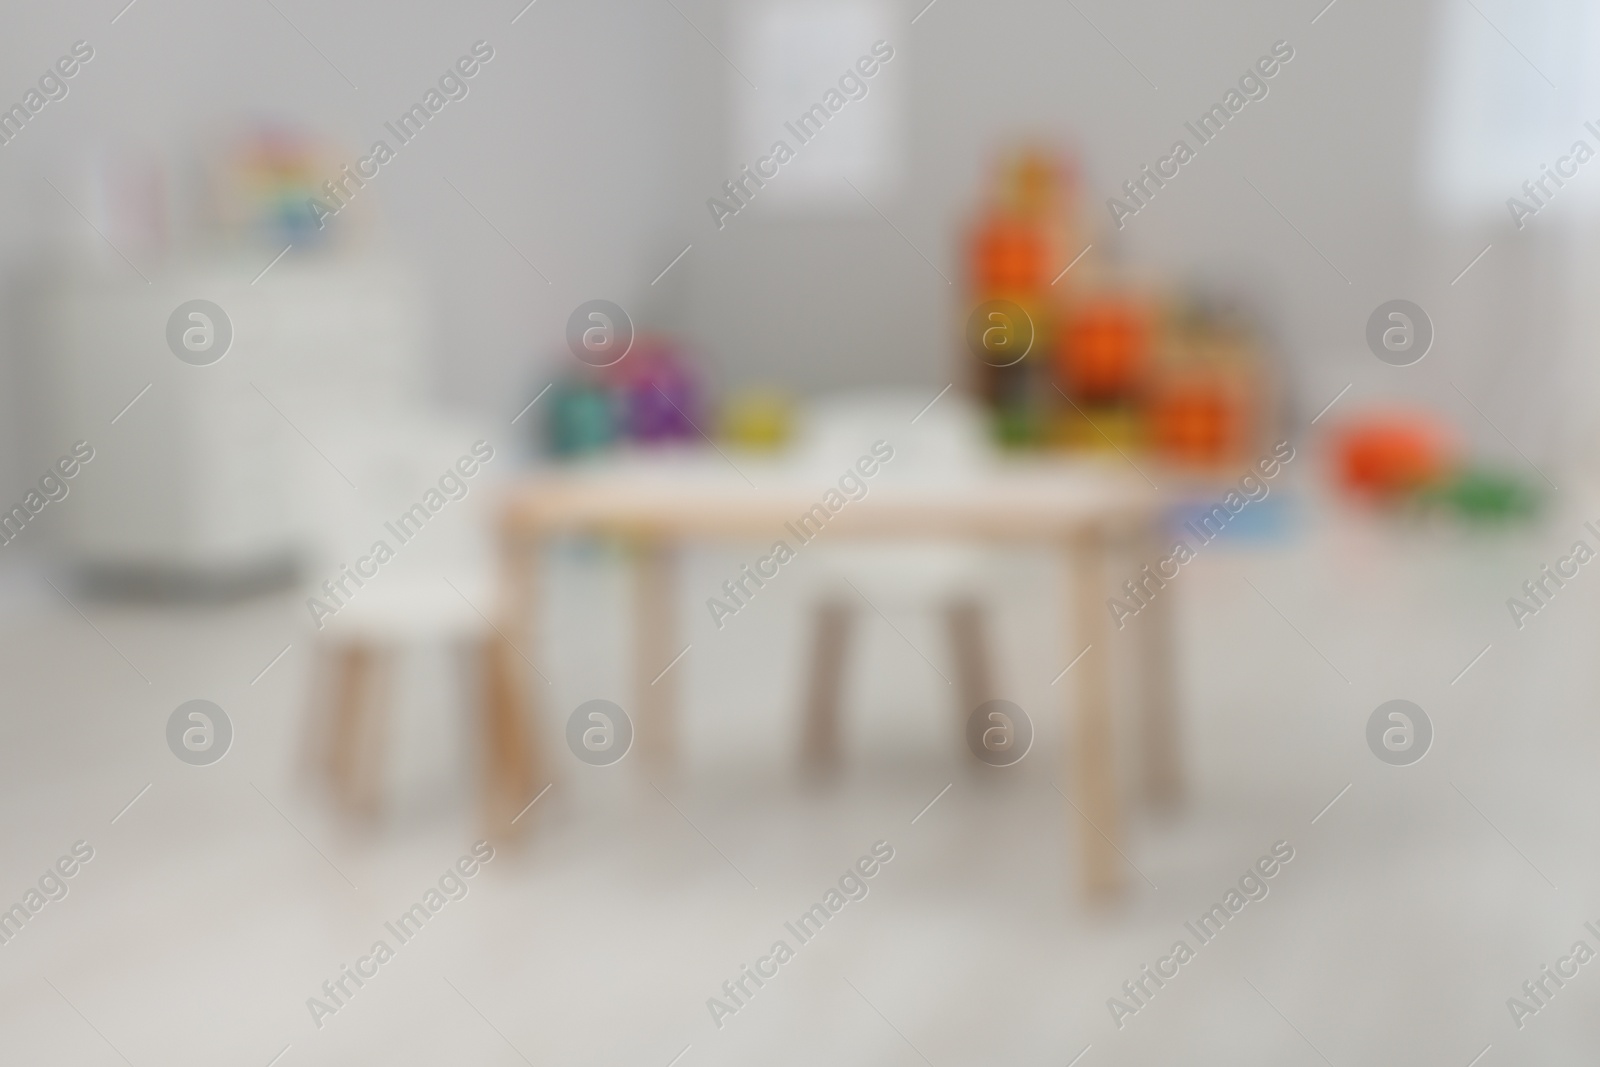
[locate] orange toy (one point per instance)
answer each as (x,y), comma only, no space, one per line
(1387,456)
(1105,349)
(1200,419)
(1008,256)
(1026,230)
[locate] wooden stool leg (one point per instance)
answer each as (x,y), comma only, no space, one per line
(1163,763)
(316,746)
(654,649)
(370,753)
(512,759)
(831,625)
(966,621)
(353,665)
(1095,779)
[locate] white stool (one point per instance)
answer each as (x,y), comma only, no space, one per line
(436,591)
(944,442)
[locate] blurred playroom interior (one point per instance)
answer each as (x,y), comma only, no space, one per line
(644,458)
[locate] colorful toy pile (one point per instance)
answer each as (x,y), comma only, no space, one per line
(651,397)
(1074,358)
(655,396)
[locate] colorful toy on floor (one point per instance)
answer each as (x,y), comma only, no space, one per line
(1389,456)
(1487,495)
(1411,460)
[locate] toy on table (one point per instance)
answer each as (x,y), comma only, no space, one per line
(1008,255)
(1196,418)
(760,420)
(1104,352)
(1014,248)
(1101,361)
(653,397)
(662,397)
(582,418)
(1112,365)
(1205,399)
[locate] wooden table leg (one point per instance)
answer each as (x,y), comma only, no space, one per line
(511,749)
(830,639)
(1163,763)
(1094,780)
(322,706)
(654,649)
(352,705)
(967,623)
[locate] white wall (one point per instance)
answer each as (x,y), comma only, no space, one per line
(1337,146)
(594,138)
(566,141)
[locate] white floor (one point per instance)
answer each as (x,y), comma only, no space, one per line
(1413,908)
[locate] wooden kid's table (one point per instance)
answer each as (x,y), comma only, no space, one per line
(1079,508)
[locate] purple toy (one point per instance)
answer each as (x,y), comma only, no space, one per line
(662,397)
